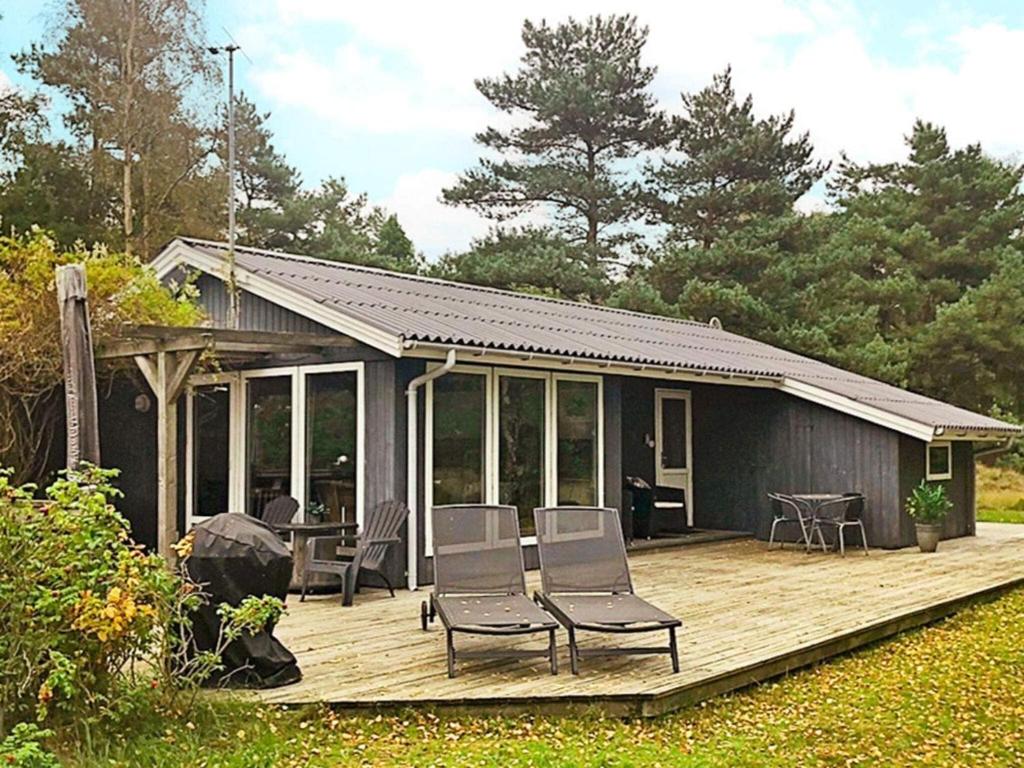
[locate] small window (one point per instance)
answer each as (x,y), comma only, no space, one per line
(939,461)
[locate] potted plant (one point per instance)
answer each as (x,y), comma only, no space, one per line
(928,505)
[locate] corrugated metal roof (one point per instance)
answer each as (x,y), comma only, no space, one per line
(427,310)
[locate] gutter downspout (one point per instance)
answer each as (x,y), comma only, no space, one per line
(412,468)
(995,450)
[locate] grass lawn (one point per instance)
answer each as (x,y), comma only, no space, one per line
(1000,495)
(951,694)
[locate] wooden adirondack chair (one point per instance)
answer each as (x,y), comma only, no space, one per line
(371,547)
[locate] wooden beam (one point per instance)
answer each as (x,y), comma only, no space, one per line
(184,362)
(147,365)
(147,340)
(133,347)
(166,458)
(165,333)
(166,373)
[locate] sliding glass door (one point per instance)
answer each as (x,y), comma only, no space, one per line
(513,436)
(331,445)
(458,439)
(210,433)
(522,453)
(269,441)
(577,430)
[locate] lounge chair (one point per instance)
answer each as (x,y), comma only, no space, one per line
(371,547)
(586,583)
(479,585)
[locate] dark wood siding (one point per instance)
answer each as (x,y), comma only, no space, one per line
(961,520)
(380,439)
(748,442)
(255,313)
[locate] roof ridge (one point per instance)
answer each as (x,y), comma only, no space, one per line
(436,280)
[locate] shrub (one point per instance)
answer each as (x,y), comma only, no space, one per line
(87,618)
(23,748)
(122,291)
(929,503)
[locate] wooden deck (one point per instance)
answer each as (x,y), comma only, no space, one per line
(748,615)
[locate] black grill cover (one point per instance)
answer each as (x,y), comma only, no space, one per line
(235,556)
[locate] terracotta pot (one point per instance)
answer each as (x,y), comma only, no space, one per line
(928,535)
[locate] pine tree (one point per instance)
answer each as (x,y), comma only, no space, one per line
(394,249)
(733,167)
(530,259)
(581,109)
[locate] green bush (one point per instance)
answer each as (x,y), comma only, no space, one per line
(23,748)
(92,628)
(929,503)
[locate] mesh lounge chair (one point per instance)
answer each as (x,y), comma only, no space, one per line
(479,586)
(586,583)
(280,511)
(371,547)
(786,511)
(840,514)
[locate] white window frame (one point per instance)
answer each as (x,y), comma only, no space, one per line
(928,473)
(238,458)
(236,417)
(492,405)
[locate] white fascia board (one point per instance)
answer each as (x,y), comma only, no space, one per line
(180,253)
(863,411)
(809,392)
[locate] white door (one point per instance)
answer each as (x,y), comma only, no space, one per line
(673,444)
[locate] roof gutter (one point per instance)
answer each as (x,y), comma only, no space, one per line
(549,360)
(412,470)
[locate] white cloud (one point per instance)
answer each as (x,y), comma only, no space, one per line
(5,82)
(433,226)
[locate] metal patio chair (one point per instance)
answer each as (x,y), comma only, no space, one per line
(371,547)
(787,511)
(479,583)
(585,582)
(279,511)
(840,514)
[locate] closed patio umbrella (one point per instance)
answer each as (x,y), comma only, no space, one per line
(83,431)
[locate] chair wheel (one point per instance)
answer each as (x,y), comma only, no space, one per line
(424,615)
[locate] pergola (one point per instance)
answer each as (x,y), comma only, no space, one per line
(166,356)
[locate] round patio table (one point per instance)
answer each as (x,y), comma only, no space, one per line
(300,534)
(812,502)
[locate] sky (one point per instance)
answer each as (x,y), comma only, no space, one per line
(382,92)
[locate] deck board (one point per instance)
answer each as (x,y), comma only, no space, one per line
(748,614)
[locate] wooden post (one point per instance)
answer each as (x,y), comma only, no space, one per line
(166,373)
(83,428)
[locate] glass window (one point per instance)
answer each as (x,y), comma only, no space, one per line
(522,404)
(331,415)
(269,449)
(673,433)
(211,436)
(459,439)
(577,425)
(940,461)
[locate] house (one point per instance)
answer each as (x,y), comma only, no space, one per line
(347,385)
